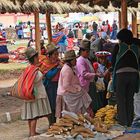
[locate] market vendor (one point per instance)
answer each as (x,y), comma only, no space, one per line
(86,74)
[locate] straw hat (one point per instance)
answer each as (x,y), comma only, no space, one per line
(30,52)
(69,55)
(51,48)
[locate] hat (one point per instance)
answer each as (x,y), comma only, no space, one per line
(102,54)
(85,45)
(69,55)
(51,48)
(30,52)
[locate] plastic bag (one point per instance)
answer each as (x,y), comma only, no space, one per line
(100,85)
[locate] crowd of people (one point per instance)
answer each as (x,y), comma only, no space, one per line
(83,82)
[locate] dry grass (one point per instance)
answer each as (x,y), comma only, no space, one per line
(11,70)
(12,66)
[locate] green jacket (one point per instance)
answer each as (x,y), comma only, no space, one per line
(123,48)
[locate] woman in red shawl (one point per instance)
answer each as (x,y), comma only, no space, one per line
(32,79)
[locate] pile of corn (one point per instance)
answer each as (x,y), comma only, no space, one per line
(106,115)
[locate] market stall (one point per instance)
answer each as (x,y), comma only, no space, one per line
(82,126)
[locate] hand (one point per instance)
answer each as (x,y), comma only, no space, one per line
(78,88)
(99,75)
(108,95)
(106,72)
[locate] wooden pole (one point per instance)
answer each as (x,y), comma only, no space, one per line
(119,14)
(49,28)
(37,31)
(123,14)
(134,24)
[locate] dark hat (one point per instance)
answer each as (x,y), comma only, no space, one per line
(51,48)
(69,55)
(30,52)
(85,45)
(125,35)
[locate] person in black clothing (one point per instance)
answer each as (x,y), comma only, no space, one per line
(125,75)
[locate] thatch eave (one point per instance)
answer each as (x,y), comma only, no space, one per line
(60,6)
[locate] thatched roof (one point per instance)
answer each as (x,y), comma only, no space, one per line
(63,6)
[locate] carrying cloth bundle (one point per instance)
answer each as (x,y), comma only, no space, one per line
(57,37)
(45,64)
(23,88)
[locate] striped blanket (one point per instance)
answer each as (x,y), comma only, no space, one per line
(45,64)
(57,37)
(23,88)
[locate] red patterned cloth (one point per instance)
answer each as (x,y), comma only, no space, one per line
(45,64)
(23,88)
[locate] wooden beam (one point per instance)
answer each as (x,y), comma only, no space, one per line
(37,31)
(119,14)
(124,14)
(49,28)
(134,24)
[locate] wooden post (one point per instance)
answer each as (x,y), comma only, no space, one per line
(134,24)
(123,14)
(37,31)
(119,14)
(49,28)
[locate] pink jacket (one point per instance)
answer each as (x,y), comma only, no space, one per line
(84,73)
(68,81)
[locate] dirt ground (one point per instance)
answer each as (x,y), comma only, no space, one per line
(9,104)
(18,130)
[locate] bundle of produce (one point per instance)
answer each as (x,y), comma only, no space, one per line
(106,115)
(71,126)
